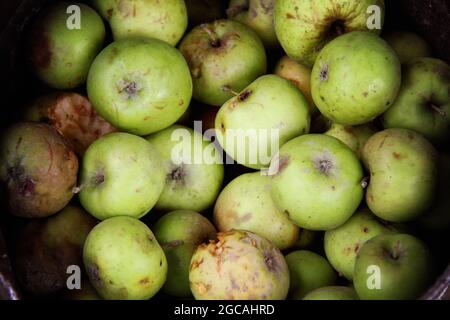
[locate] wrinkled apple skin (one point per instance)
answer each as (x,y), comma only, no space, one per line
(343,243)
(423,103)
(124,260)
(405,267)
(305,27)
(140,85)
(299,75)
(268,103)
(38,168)
(239,266)
(403,169)
(121,175)
(354,137)
(355,79)
(332,293)
(73,116)
(47,247)
(245,204)
(61,57)
(222,55)
(164,20)
(179,233)
(258,15)
(314,171)
(190,185)
(408,45)
(308,271)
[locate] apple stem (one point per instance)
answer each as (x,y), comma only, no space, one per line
(438,109)
(365,182)
(76,190)
(227,88)
(213,40)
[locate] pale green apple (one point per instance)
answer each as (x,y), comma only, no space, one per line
(315,171)
(393,267)
(403,169)
(356,78)
(121,175)
(164,20)
(140,85)
(343,243)
(332,293)
(245,204)
(308,271)
(124,260)
(258,15)
(354,137)
(423,103)
(265,115)
(62,45)
(240,265)
(305,27)
(193,168)
(180,233)
(224,56)
(299,75)
(408,45)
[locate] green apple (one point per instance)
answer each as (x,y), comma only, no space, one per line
(140,85)
(38,169)
(164,20)
(356,78)
(72,115)
(202,11)
(343,243)
(269,112)
(308,271)
(224,56)
(240,265)
(408,45)
(124,260)
(313,171)
(180,233)
(245,204)
(423,103)
(63,42)
(332,293)
(403,169)
(354,137)
(393,267)
(121,175)
(47,247)
(258,15)
(299,75)
(193,168)
(305,27)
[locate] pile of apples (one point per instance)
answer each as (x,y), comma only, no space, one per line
(319,210)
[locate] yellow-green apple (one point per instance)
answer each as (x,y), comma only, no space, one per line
(245,204)
(252,125)
(356,78)
(140,85)
(308,271)
(224,56)
(123,260)
(37,168)
(193,169)
(332,293)
(305,27)
(121,175)
(408,45)
(179,233)
(423,103)
(403,169)
(354,137)
(62,46)
(313,171)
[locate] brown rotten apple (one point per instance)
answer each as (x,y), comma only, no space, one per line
(38,169)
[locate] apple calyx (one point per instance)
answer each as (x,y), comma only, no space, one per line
(129,89)
(337,28)
(99,178)
(324,164)
(25,184)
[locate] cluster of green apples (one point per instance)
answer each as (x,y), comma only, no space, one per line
(362,124)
